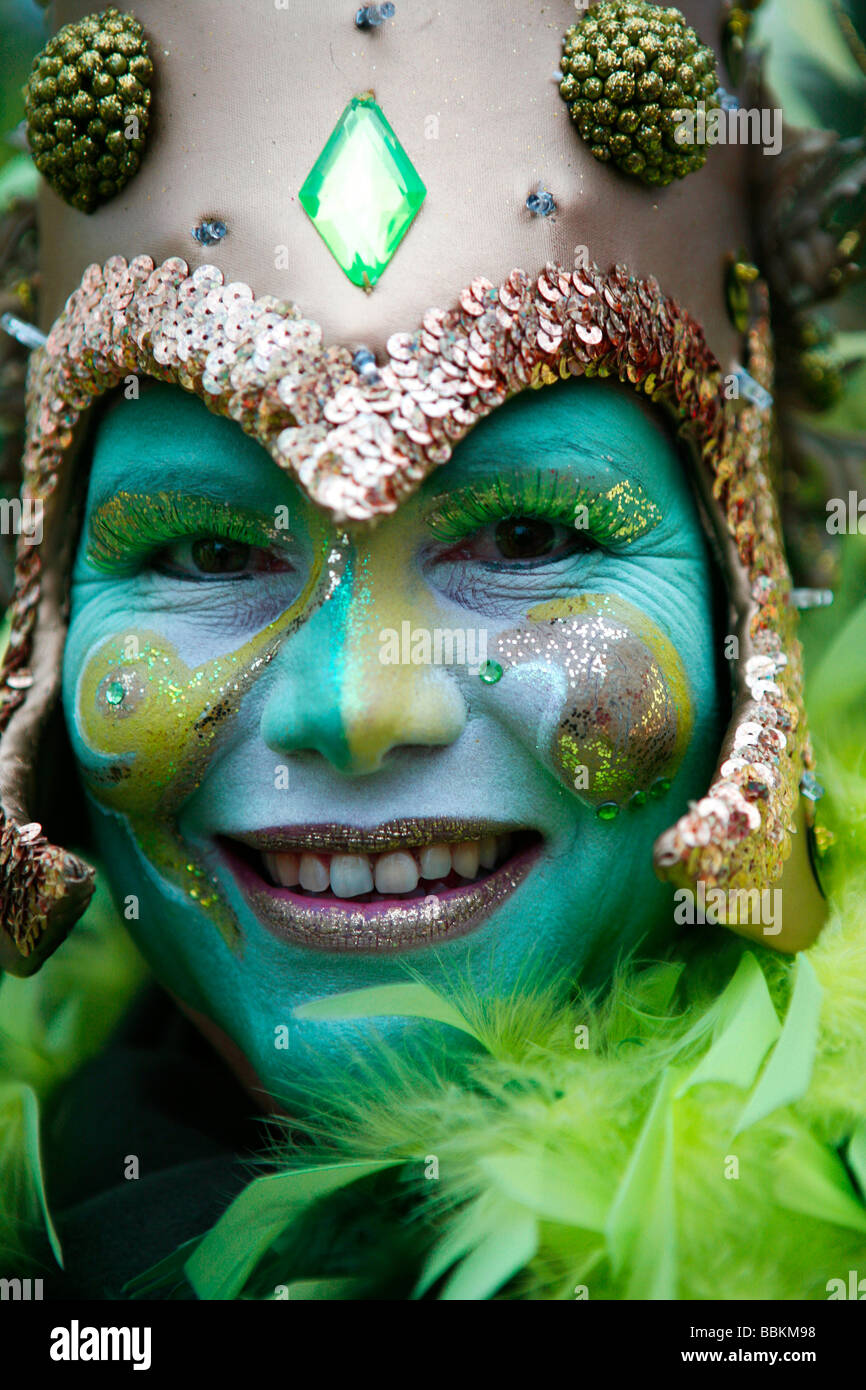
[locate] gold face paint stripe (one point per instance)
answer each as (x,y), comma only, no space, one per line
(383,700)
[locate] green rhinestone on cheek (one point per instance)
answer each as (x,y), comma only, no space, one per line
(490,672)
(608,810)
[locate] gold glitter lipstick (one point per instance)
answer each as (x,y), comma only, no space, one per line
(380,922)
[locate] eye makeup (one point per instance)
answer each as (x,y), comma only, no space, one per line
(616,515)
(131,525)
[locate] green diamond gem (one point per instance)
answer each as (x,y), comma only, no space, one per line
(115,693)
(363,192)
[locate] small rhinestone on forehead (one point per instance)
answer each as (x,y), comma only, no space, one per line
(360,435)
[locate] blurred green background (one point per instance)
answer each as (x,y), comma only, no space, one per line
(22,33)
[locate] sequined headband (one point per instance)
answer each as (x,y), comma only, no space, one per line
(359,436)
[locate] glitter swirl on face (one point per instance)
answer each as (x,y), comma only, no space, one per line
(148,751)
(627,715)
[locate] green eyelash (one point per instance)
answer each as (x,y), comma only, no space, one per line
(621,513)
(130,525)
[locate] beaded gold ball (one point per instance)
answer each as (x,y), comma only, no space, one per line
(633,75)
(87,103)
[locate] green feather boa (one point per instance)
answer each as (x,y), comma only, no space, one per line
(707,1143)
(697,1133)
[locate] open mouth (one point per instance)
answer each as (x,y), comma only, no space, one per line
(388,888)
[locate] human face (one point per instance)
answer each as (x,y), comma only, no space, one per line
(254,695)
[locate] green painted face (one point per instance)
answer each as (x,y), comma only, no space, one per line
(446,742)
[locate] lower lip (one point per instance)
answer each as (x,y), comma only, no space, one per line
(338,924)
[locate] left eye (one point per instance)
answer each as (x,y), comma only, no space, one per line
(216,558)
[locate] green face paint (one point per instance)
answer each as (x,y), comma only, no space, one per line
(599,656)
(151,723)
(626,714)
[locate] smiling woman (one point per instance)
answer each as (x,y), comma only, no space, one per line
(424,671)
(276,793)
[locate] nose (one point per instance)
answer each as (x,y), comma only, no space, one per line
(337,690)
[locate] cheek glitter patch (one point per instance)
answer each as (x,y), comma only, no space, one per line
(626,718)
(359,444)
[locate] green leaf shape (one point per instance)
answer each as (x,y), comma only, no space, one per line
(746,1027)
(811,1179)
(838,686)
(223,1262)
(552,1188)
(468,1229)
(851,347)
(641,1229)
(857,1156)
(406,1000)
(166,1277)
(502,1253)
(19,1124)
(317,1291)
(786,1075)
(802,36)
(19,178)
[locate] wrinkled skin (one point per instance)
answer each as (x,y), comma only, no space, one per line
(325,730)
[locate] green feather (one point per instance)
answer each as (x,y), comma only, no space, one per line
(220,1266)
(787,1073)
(410,1000)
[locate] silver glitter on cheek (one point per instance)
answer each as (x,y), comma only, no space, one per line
(625,718)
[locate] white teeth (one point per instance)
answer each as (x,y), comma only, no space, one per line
(313,873)
(487,851)
(396,873)
(464,857)
(350,875)
(283,868)
(435,861)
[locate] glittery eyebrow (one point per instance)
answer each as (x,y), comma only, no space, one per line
(619,513)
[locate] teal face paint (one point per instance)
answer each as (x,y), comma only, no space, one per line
(563,518)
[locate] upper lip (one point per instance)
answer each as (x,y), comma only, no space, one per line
(402,833)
